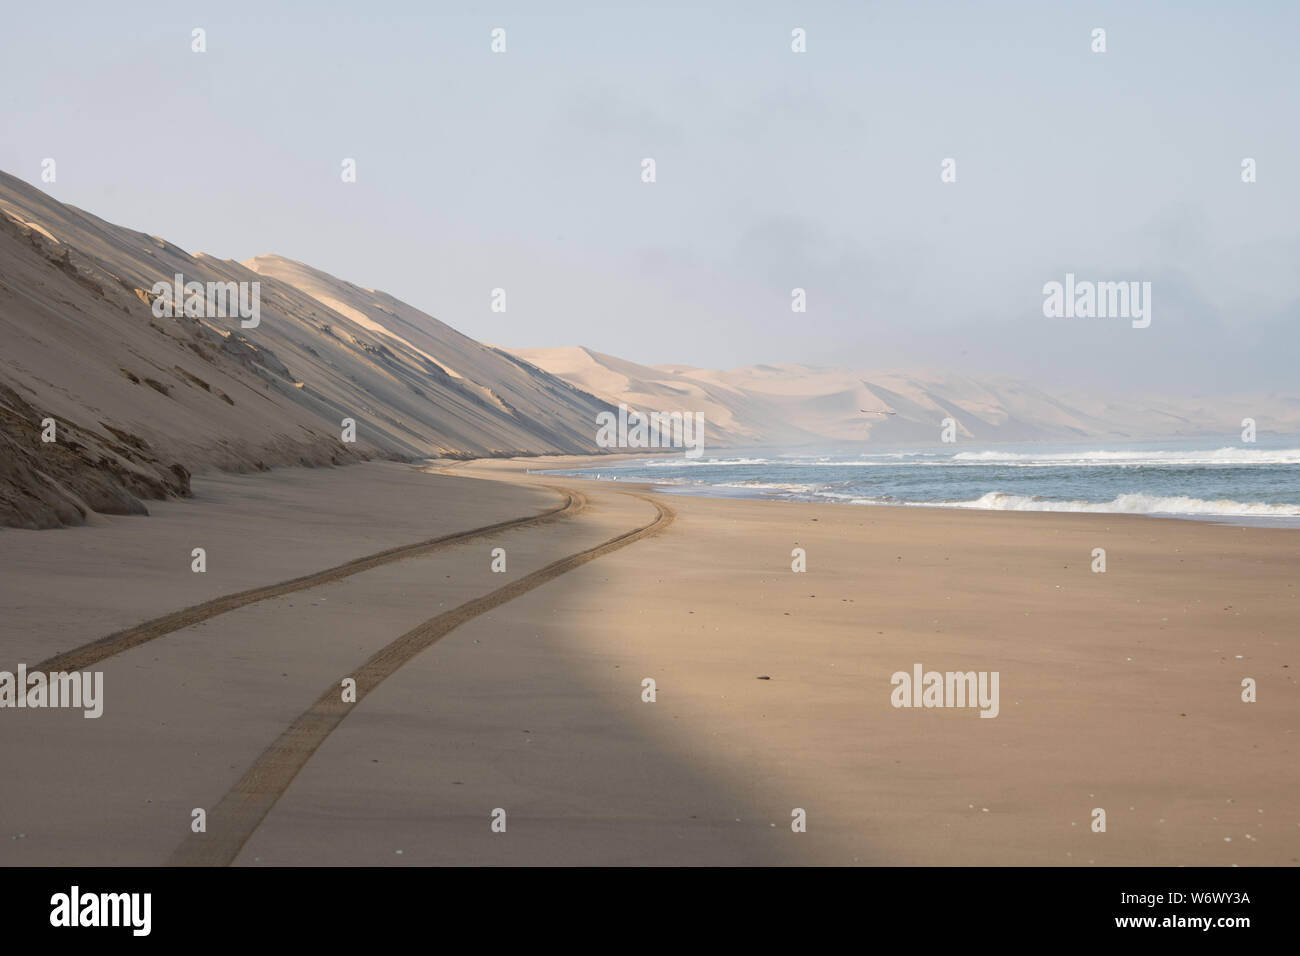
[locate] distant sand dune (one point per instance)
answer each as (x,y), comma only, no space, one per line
(791,405)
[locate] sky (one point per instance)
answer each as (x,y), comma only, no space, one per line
(775,170)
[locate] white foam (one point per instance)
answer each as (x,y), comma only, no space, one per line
(1125,504)
(701,462)
(1218,456)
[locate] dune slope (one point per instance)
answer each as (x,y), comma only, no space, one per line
(140,401)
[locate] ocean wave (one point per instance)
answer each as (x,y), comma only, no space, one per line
(1098,458)
(762,486)
(1218,456)
(1125,504)
(685,462)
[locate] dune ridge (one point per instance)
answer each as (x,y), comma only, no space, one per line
(791,405)
(142,402)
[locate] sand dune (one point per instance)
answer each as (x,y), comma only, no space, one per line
(142,401)
(789,405)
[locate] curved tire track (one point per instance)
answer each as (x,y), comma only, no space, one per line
(241,811)
(89,654)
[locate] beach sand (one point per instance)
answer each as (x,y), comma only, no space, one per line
(1118,690)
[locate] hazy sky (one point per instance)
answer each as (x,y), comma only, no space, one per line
(775,170)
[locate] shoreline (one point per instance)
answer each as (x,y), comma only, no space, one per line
(741,492)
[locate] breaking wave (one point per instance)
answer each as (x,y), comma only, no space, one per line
(1219,456)
(1125,504)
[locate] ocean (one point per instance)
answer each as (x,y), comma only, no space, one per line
(1249,484)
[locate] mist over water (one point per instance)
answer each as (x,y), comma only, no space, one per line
(1244,484)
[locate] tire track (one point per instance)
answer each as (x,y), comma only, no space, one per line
(90,654)
(241,811)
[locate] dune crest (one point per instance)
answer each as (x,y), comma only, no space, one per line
(790,405)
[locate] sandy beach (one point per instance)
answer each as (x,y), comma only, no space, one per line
(522,690)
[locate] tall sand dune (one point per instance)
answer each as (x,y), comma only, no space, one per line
(139,401)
